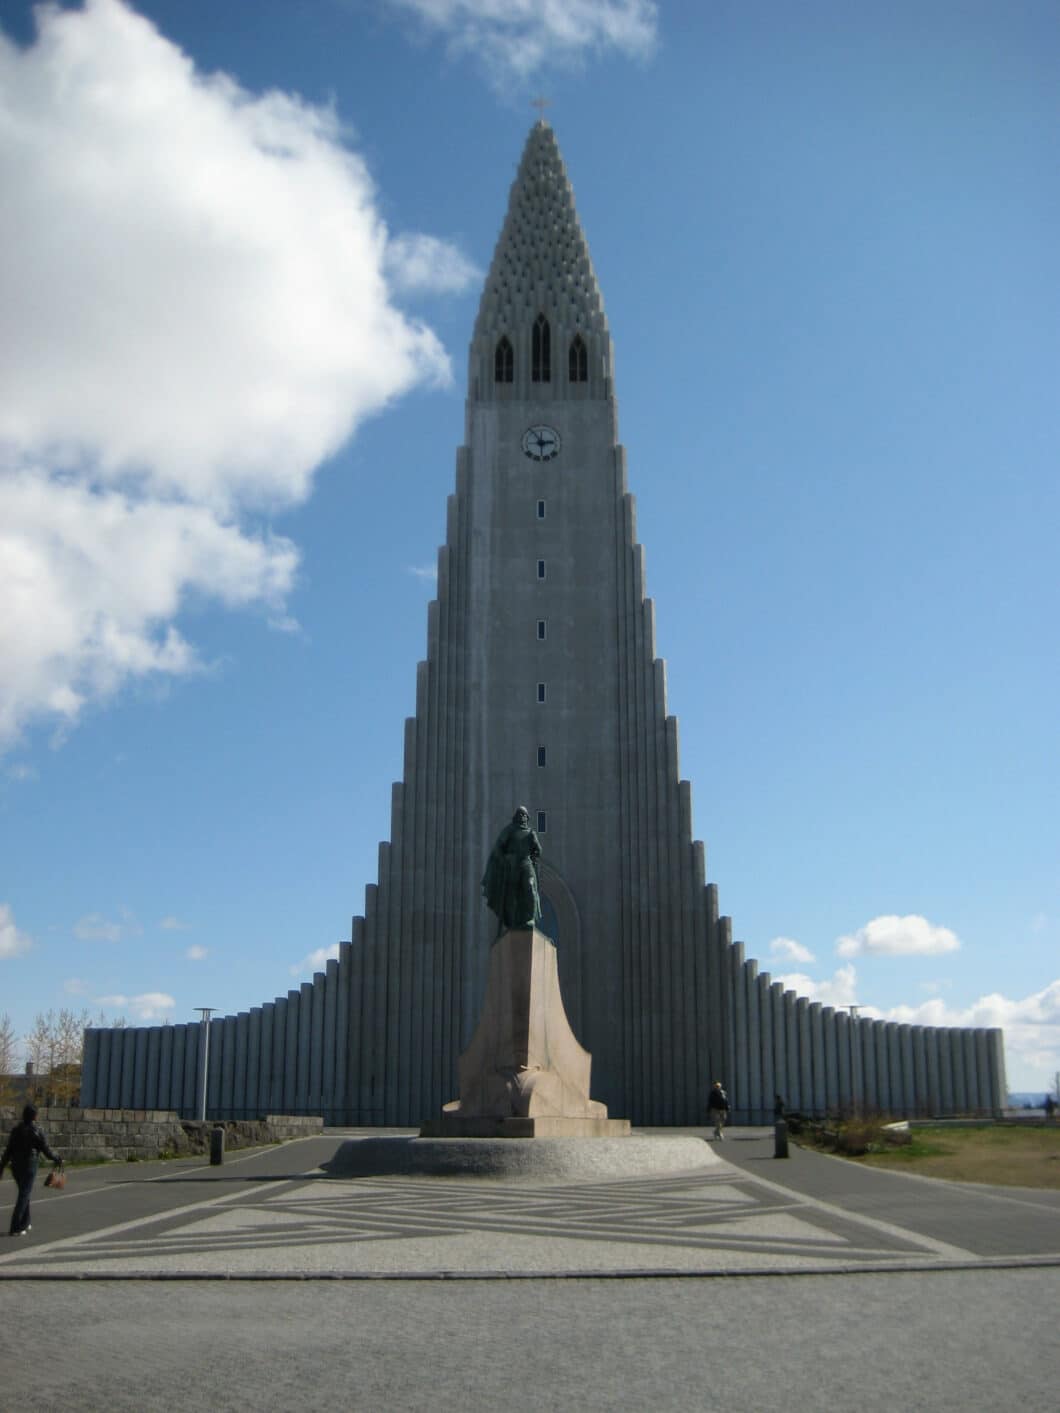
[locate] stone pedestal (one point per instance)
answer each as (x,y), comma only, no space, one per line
(524,1075)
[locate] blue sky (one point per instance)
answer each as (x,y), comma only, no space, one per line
(242,248)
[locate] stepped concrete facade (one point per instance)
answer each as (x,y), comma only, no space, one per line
(541,687)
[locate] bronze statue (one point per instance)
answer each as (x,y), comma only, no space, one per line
(509,884)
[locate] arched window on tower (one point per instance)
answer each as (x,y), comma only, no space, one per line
(541,352)
(579,360)
(503,362)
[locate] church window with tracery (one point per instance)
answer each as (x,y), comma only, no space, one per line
(503,362)
(579,360)
(541,351)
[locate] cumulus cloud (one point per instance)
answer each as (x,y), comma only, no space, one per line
(898,937)
(196,314)
(315,961)
(423,262)
(173,924)
(786,949)
(516,38)
(839,991)
(13,941)
(149,1005)
(195,953)
(94,927)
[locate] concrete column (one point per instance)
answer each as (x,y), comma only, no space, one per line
(781,1082)
(190,1091)
(89,1063)
(215,1070)
(290,1054)
(228,1099)
(820,1099)
(870,1090)
(844,1099)
(883,1073)
(960,1088)
(327,1080)
(342,1037)
(176,1070)
(998,1083)
(894,1068)
(946,1088)
(152,1088)
(316,1045)
(753,1089)
(278,1063)
(165,1068)
(971,1070)
(128,1066)
(139,1078)
(765,1014)
(920,1085)
(305,1031)
(805,1044)
(252,1093)
(831,1059)
(791,1048)
(240,1105)
(736,1075)
(905,1048)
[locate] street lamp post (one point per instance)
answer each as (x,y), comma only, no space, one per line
(205,1013)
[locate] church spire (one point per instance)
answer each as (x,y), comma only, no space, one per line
(542,278)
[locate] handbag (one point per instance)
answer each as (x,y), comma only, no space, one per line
(56,1178)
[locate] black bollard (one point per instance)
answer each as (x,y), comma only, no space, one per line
(217,1146)
(780,1139)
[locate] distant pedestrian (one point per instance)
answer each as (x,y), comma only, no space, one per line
(778,1108)
(718,1108)
(1050,1106)
(24,1143)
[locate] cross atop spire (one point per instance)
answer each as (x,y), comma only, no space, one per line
(540,103)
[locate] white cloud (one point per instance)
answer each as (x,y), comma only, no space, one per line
(516,38)
(74,986)
(21,772)
(195,953)
(196,314)
(429,572)
(839,991)
(315,961)
(892,936)
(149,1005)
(423,262)
(788,950)
(12,941)
(94,927)
(173,924)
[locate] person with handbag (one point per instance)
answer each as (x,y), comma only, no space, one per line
(25,1142)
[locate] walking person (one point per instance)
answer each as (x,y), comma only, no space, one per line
(718,1108)
(24,1143)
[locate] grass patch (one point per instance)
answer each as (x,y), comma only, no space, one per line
(1002,1155)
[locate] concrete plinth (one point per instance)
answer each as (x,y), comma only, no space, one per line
(524,1075)
(458,1126)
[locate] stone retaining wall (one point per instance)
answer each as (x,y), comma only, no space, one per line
(89,1135)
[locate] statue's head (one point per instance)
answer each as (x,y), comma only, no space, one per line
(522,817)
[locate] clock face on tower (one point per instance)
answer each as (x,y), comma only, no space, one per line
(541,443)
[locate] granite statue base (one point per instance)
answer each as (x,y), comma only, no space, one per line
(524,1075)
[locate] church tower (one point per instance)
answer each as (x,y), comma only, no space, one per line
(541,688)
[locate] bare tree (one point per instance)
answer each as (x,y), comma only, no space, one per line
(8,1054)
(54,1046)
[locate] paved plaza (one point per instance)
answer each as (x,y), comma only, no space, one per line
(745,1283)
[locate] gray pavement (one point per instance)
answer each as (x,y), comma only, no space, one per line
(748,1283)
